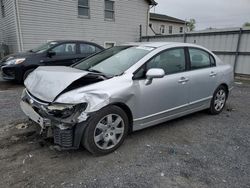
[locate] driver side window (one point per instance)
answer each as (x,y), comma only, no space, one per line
(65,49)
(171,61)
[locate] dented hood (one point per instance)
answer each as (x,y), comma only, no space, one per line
(46,83)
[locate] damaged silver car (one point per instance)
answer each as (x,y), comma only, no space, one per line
(126,88)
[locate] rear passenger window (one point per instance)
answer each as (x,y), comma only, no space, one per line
(200,59)
(87,49)
(171,61)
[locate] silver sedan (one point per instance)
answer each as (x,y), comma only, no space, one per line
(99,100)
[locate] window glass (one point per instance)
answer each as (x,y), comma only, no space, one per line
(109,10)
(212,60)
(87,49)
(65,49)
(114,61)
(97,49)
(181,29)
(199,58)
(171,61)
(162,29)
(109,44)
(170,29)
(83,3)
(44,47)
(83,8)
(109,15)
(109,5)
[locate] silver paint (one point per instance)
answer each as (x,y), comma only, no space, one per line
(163,99)
(46,83)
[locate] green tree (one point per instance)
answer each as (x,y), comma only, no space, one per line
(247,24)
(191,24)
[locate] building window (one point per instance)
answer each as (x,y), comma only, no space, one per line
(109,44)
(2,8)
(162,29)
(170,29)
(109,10)
(181,29)
(83,8)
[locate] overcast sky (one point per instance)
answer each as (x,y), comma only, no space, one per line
(207,13)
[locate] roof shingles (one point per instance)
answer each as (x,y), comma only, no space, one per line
(162,17)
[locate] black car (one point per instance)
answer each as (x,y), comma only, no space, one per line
(65,53)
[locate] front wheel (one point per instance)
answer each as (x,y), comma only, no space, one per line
(219,100)
(106,130)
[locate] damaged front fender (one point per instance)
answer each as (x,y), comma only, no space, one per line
(99,95)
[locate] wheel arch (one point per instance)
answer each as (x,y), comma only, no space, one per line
(127,110)
(226,86)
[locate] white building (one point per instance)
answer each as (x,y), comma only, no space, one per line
(163,25)
(25,24)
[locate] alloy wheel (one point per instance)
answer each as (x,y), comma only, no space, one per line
(220,99)
(109,131)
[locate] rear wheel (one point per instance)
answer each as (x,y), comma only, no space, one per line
(106,130)
(219,100)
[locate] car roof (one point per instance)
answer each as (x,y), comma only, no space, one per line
(83,41)
(161,44)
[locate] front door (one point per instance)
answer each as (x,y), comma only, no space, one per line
(65,55)
(166,96)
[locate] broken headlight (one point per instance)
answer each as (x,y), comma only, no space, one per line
(65,110)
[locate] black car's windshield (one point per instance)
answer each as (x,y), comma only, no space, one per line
(44,47)
(114,61)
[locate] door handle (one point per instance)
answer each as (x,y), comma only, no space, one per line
(183,80)
(212,74)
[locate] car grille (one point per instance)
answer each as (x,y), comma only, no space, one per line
(63,138)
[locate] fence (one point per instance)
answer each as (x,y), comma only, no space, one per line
(231,45)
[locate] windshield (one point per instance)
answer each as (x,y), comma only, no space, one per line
(114,61)
(44,47)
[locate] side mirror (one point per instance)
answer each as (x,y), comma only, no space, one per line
(51,53)
(154,73)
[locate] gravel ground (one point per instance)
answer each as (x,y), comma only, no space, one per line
(198,150)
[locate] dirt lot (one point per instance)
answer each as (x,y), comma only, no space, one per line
(198,150)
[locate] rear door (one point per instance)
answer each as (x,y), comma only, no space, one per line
(202,77)
(87,49)
(65,54)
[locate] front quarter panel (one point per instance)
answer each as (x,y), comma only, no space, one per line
(99,95)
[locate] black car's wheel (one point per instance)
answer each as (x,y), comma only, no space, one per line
(106,130)
(219,100)
(26,73)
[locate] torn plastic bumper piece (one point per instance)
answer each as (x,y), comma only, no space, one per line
(66,133)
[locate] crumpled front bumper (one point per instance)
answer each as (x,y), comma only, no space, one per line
(66,136)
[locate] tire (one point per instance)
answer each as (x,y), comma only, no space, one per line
(218,101)
(26,73)
(102,137)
